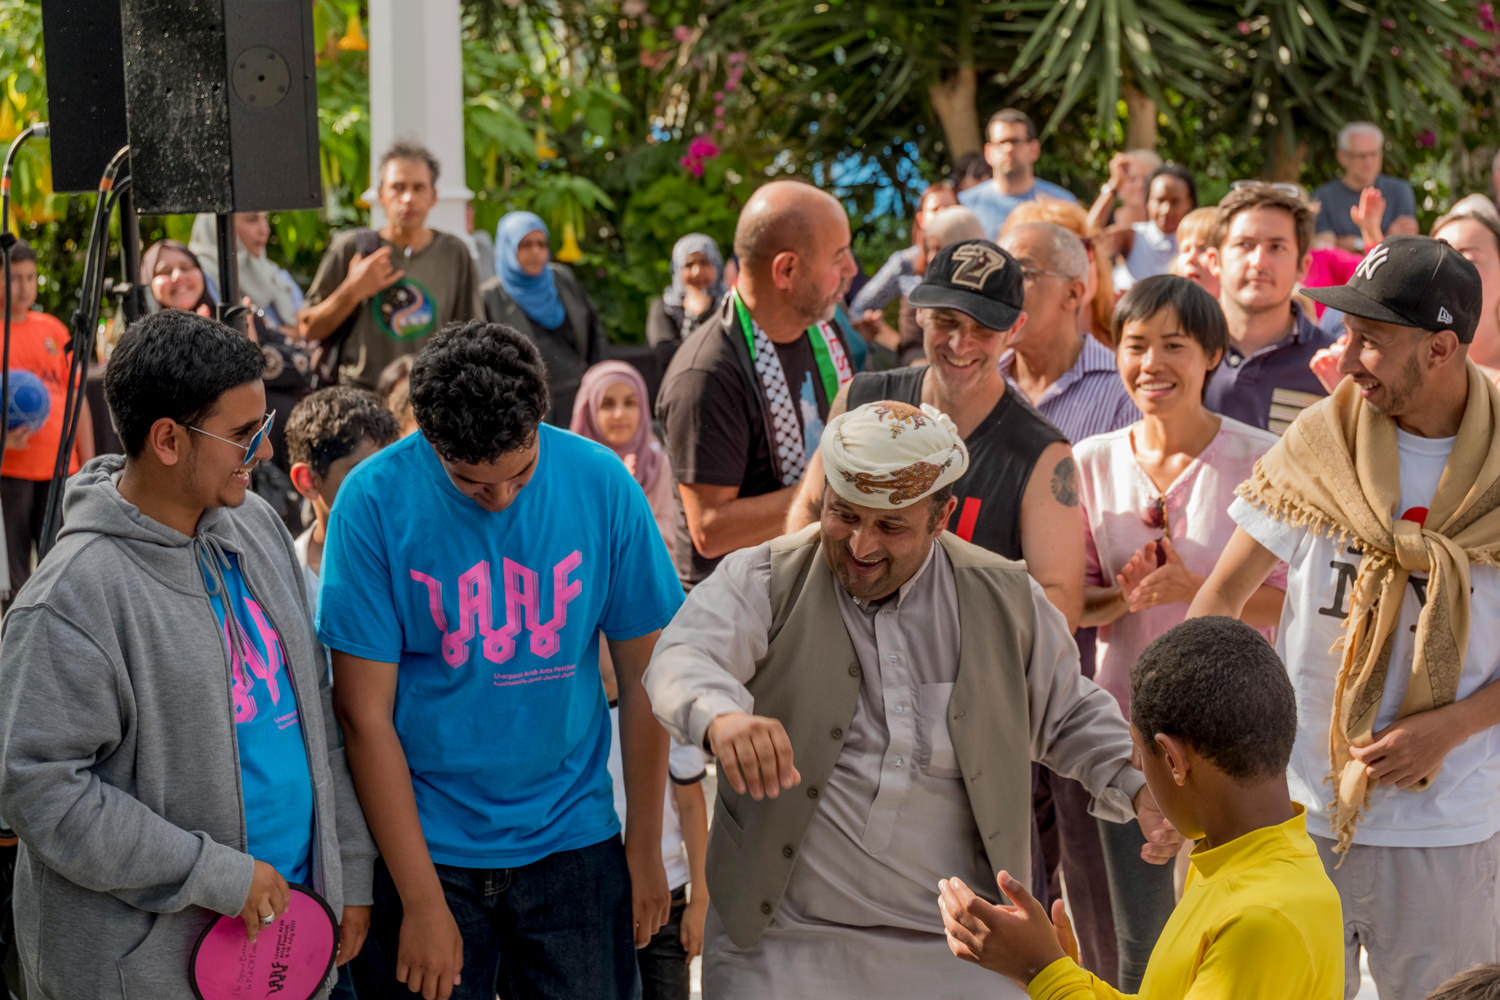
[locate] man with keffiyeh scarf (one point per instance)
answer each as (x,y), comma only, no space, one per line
(1398,746)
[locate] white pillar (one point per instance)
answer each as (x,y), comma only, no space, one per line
(419,95)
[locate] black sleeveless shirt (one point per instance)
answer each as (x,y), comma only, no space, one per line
(1003,450)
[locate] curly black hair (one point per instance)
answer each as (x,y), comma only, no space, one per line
(1216,684)
(329,424)
(479,391)
(174,364)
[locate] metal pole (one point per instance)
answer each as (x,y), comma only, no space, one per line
(229,288)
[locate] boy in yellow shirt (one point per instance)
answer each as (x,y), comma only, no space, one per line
(1213,718)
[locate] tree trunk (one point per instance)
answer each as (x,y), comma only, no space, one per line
(1140,126)
(1287,158)
(953,100)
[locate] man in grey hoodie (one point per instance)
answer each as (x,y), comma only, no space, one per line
(167,748)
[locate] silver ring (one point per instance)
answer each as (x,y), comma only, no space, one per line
(268,919)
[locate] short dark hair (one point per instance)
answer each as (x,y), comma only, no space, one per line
(174,364)
(1010,116)
(478,391)
(21,251)
(391,376)
(406,149)
(330,424)
(1479,983)
(1181,173)
(1216,684)
(1199,313)
(970,165)
(938,500)
(1261,194)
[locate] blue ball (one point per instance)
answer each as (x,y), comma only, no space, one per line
(29,401)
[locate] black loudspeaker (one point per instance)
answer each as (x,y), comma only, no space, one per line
(221,99)
(85,89)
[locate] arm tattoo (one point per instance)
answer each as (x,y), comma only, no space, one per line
(1065,483)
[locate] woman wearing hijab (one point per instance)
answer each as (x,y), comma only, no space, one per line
(611,408)
(697,289)
(543,300)
(268,287)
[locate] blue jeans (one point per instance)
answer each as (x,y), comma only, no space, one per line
(560,928)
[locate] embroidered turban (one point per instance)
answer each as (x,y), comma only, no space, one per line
(890,455)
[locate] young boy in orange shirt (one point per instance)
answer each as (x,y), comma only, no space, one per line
(38,344)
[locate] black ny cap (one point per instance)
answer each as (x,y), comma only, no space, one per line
(1411,281)
(978,279)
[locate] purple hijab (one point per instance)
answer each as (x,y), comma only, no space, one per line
(649,456)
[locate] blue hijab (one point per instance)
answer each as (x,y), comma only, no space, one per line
(535,294)
(687,246)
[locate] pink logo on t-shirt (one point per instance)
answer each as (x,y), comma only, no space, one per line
(245,653)
(522,609)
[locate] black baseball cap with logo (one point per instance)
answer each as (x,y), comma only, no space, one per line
(978,279)
(1412,281)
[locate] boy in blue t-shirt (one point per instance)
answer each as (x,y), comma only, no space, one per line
(467,574)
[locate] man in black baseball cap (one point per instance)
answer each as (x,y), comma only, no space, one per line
(1020,495)
(1411,308)
(1393,481)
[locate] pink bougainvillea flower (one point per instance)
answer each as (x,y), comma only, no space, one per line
(1395,50)
(1469,43)
(1427,139)
(732,85)
(703,147)
(735,58)
(718,97)
(719,125)
(1244,27)
(1388,24)
(682,32)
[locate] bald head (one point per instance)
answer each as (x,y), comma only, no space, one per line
(1047,245)
(784,216)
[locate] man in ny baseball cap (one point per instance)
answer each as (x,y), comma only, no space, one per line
(1412,281)
(1411,308)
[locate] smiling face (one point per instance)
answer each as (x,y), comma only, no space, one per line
(177,281)
(619,414)
(872,551)
(1259,263)
(1163,367)
(495,485)
(215,473)
(699,272)
(962,354)
(1167,202)
(1386,363)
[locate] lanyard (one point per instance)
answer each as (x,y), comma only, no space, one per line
(818,336)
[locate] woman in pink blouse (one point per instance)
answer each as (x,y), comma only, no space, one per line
(1155,497)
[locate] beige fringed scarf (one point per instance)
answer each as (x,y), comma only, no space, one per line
(1336,471)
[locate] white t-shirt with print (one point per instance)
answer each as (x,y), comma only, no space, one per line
(684,767)
(1462,803)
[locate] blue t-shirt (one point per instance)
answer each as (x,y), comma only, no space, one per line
(275,781)
(493,621)
(992,208)
(1336,198)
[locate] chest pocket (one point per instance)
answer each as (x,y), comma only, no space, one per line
(935,754)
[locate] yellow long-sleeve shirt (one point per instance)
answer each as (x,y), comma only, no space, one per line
(1258,920)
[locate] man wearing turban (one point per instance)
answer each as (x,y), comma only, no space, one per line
(875,690)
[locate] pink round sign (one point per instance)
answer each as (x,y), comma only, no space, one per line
(289,960)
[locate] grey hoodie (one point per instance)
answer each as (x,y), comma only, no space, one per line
(118,759)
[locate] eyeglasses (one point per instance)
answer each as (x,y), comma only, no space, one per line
(1284,188)
(1030,274)
(255,439)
